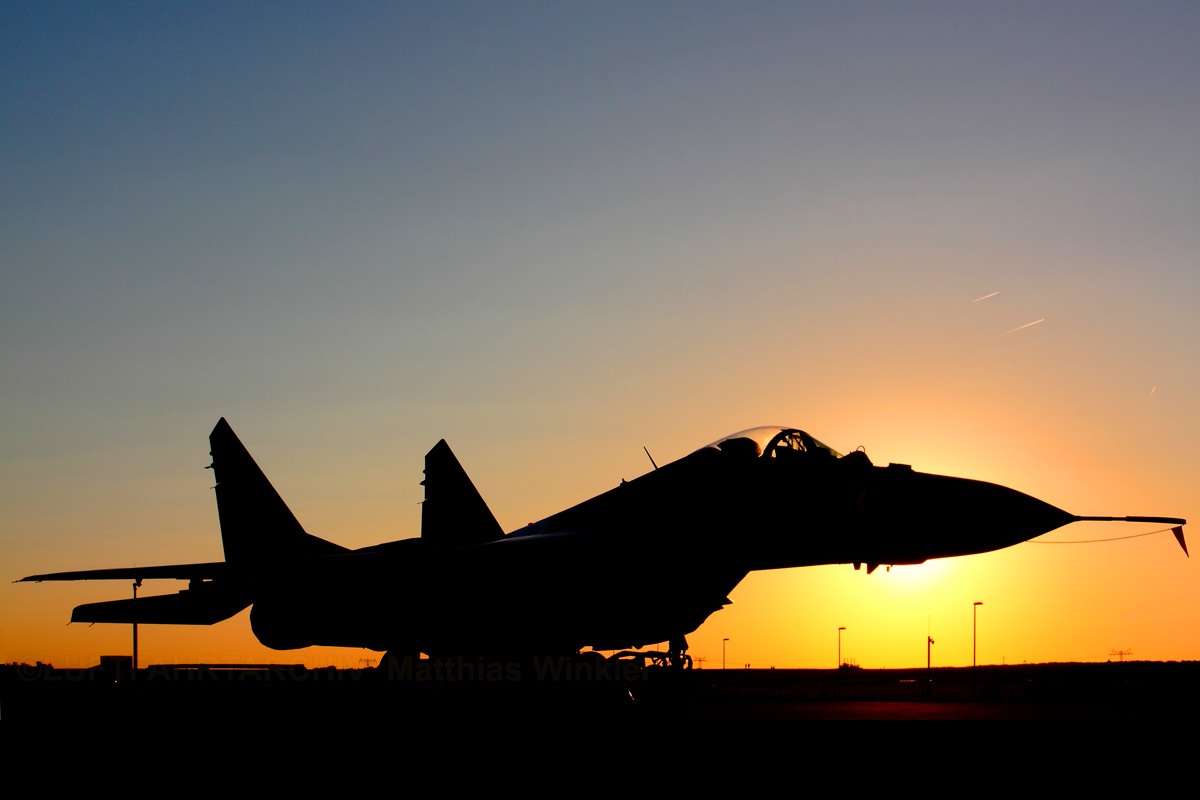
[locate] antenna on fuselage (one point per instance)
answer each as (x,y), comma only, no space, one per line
(649,456)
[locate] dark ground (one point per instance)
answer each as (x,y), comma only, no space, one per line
(494,692)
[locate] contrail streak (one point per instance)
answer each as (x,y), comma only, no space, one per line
(1026,325)
(985,297)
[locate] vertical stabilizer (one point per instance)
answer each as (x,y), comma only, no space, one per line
(256,525)
(454,513)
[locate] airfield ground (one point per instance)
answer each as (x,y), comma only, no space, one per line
(41,694)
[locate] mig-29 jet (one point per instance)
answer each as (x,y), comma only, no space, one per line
(645,562)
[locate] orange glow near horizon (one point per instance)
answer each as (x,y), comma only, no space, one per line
(555,235)
(1034,596)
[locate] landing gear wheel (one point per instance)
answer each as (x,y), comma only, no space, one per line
(678,657)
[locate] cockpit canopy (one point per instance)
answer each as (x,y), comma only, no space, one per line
(770,440)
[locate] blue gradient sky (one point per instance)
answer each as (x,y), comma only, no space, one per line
(554,233)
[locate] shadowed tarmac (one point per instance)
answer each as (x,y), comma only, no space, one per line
(285,694)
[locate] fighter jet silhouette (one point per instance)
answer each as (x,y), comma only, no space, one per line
(643,563)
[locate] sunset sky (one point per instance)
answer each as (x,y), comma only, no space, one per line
(553,234)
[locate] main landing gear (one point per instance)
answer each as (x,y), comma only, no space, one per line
(674,658)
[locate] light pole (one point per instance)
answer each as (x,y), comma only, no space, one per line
(723,641)
(840,647)
(974,631)
(974,649)
(133,675)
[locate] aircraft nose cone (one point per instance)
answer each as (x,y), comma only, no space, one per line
(1001,516)
(947,516)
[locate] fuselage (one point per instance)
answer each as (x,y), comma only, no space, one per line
(645,562)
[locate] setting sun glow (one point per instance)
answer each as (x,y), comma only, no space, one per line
(961,236)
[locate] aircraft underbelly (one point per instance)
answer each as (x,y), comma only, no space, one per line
(557,595)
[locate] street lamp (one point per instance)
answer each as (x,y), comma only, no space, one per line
(974,631)
(136,583)
(723,641)
(840,647)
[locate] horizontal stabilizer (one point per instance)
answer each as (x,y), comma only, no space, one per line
(454,513)
(200,606)
(182,572)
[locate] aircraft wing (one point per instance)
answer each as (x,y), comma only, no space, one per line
(183,572)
